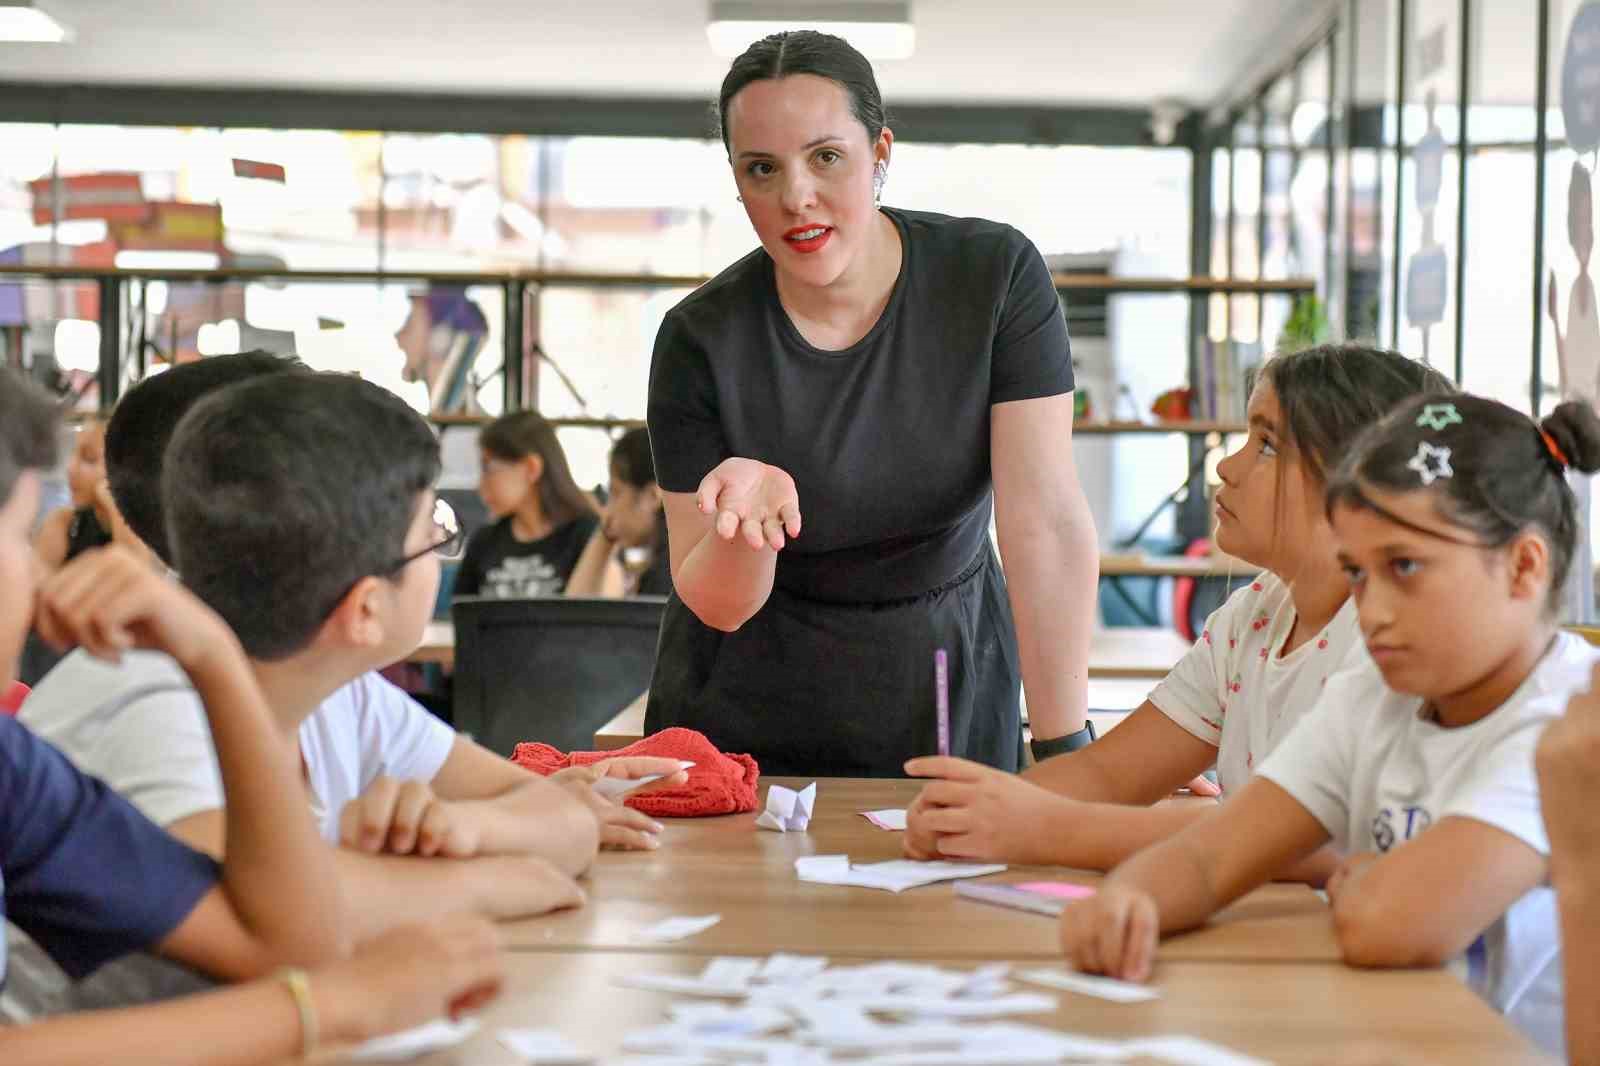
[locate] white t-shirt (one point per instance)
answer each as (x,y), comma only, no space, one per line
(1235,692)
(1375,774)
(140,727)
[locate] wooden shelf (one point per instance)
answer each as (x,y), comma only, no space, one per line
(1194,428)
(593,279)
(1117,284)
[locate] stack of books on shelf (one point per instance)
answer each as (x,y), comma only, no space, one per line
(1226,373)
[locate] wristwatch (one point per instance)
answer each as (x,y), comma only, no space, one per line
(1045,749)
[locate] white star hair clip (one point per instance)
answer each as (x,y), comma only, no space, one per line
(1431,463)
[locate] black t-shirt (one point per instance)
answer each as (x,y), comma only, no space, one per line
(888,443)
(887,440)
(497,564)
(656,579)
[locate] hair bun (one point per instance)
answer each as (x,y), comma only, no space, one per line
(1575,428)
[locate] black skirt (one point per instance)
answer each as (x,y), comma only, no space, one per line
(817,689)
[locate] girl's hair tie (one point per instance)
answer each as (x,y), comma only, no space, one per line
(1555,451)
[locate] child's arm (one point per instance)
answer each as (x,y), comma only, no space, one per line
(278,898)
(408,978)
(1568,763)
(597,572)
(1413,906)
(1148,756)
(1182,881)
(397,889)
(479,803)
(50,543)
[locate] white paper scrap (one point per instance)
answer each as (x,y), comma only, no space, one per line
(998,1007)
(1188,1051)
(891,819)
(671,929)
(414,1043)
(790,968)
(1088,985)
(679,985)
(896,875)
(788,811)
(730,970)
(542,1047)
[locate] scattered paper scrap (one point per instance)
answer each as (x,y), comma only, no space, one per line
(896,875)
(671,929)
(891,819)
(788,811)
(1088,985)
(542,1047)
(1188,1051)
(1038,897)
(414,1043)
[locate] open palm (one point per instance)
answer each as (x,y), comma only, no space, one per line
(751,499)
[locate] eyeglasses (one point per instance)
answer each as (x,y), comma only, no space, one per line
(447,541)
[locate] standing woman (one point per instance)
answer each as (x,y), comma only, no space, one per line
(888,373)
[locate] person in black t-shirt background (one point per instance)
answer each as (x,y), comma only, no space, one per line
(897,376)
(632,523)
(544,519)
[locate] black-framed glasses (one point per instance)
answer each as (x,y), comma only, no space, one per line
(447,541)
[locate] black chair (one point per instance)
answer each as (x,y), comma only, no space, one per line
(550,669)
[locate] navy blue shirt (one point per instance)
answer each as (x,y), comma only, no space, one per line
(82,872)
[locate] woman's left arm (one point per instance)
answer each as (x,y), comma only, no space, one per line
(1051,555)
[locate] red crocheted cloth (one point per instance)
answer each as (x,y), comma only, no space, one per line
(11,697)
(718,783)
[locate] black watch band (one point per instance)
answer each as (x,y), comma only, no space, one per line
(1045,749)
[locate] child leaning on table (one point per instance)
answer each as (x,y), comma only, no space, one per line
(1568,763)
(1456,527)
(91,879)
(1258,666)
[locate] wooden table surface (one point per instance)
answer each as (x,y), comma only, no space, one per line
(1117,652)
(1139,564)
(727,866)
(1286,1013)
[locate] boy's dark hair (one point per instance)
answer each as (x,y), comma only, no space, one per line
(143,423)
(806,52)
(1505,476)
(30,429)
(523,433)
(283,492)
(631,459)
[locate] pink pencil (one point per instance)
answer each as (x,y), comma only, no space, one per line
(941,691)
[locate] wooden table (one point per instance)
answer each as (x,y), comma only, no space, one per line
(1262,980)
(1286,1013)
(1121,652)
(1139,564)
(728,866)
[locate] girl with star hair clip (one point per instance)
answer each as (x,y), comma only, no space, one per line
(1455,525)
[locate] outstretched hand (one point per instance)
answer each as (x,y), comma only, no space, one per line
(751,500)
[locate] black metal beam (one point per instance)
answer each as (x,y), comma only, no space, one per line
(1465,87)
(199,105)
(1542,102)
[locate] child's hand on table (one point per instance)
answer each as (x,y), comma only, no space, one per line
(976,812)
(406,818)
(622,827)
(1113,933)
(410,976)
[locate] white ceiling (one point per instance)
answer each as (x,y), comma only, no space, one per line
(1128,52)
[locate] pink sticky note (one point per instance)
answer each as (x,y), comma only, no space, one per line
(1058,889)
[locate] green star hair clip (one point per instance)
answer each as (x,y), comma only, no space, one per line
(1436,416)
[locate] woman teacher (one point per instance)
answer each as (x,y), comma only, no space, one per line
(832,418)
